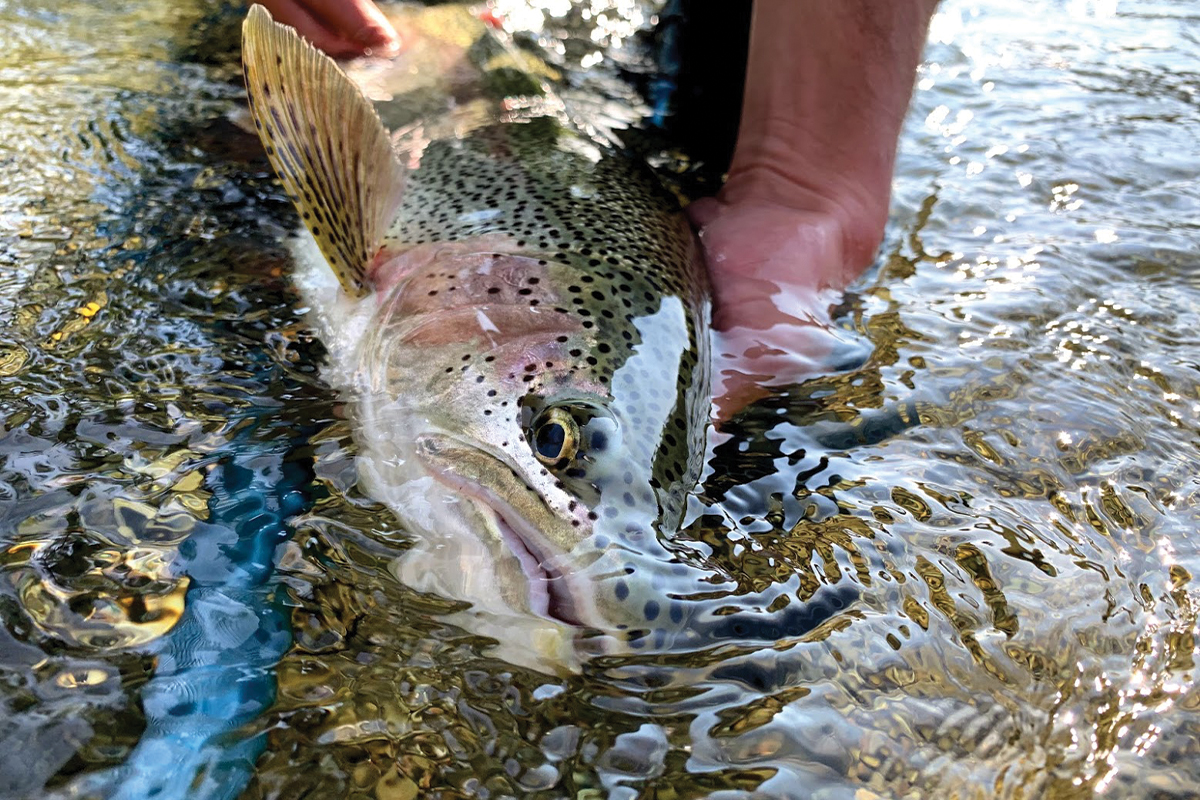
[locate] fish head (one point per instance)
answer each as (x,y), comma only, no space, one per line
(556,440)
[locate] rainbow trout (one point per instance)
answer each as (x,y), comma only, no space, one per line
(519,320)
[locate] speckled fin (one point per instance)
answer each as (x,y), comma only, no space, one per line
(326,142)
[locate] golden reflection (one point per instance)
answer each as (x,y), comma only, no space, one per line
(108,585)
(12,359)
(81,678)
(123,599)
(972,560)
(737,721)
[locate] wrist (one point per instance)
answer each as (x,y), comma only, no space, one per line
(848,207)
(827,87)
(770,264)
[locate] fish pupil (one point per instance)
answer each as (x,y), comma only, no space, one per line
(550,441)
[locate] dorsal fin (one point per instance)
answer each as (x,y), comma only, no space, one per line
(326,143)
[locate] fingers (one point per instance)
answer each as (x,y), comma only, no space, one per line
(769,265)
(775,273)
(749,363)
(341,28)
(358,21)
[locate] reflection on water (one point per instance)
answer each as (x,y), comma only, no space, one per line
(965,566)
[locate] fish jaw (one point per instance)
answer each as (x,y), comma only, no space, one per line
(607,592)
(556,589)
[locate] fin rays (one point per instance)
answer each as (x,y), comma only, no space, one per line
(325,141)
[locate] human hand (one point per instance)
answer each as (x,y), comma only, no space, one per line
(775,272)
(803,210)
(340,28)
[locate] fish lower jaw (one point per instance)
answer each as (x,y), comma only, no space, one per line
(552,593)
(549,595)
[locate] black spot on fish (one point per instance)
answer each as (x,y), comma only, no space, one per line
(794,620)
(650,612)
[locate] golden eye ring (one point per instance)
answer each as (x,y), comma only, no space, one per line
(555,437)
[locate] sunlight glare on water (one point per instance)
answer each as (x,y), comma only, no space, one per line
(961,568)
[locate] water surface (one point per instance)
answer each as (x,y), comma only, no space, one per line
(962,566)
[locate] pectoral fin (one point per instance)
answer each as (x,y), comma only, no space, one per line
(325,141)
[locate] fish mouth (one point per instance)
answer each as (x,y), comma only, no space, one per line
(481,477)
(549,591)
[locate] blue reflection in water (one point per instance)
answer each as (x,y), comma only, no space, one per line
(668,58)
(215,669)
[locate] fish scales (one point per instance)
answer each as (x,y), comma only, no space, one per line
(520,328)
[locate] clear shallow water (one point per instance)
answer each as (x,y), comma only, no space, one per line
(992,523)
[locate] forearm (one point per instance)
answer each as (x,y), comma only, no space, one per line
(827,87)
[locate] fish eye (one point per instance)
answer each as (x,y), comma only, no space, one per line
(555,437)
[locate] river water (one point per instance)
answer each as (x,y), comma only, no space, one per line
(960,566)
